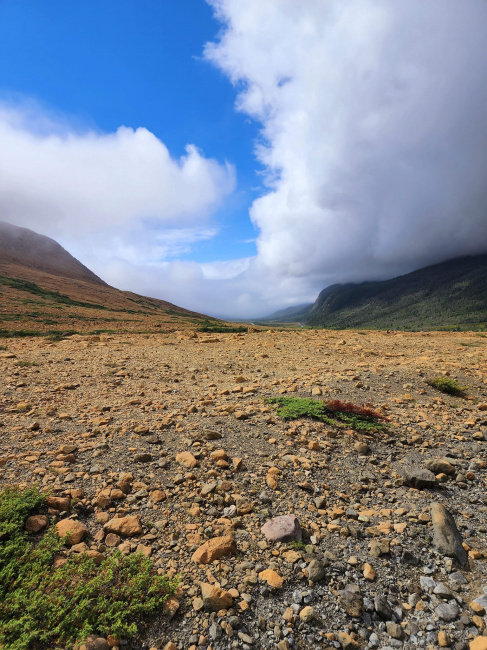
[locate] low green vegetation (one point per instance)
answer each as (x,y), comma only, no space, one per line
(448,386)
(217,328)
(335,412)
(46,607)
(55,296)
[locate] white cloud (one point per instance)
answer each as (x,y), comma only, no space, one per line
(374,132)
(373,141)
(120,190)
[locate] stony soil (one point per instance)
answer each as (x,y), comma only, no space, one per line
(78,415)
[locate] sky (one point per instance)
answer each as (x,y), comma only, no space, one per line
(237,157)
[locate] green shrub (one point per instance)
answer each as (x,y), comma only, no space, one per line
(46,607)
(448,386)
(335,412)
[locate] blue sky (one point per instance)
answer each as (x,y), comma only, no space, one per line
(236,157)
(107,63)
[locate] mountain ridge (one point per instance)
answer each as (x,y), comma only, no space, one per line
(446,295)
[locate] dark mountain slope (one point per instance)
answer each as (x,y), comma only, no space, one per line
(449,294)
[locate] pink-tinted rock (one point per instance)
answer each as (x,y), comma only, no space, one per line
(285,528)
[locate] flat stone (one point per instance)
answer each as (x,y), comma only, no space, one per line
(285,528)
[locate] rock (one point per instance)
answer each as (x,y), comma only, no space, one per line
(212,435)
(351,600)
(285,528)
(362,448)
(394,630)
(479,643)
(382,607)
(124,526)
(186,459)
(36,523)
(316,571)
(418,477)
(214,549)
(369,573)
(62,504)
(448,612)
(143,457)
(272,578)
(94,642)
(307,614)
(446,537)
(440,466)
(215,598)
(73,529)
(170,608)
(444,640)
(347,641)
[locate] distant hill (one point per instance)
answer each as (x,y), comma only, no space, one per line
(445,295)
(288,315)
(43,286)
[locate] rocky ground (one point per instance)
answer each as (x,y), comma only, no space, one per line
(165,442)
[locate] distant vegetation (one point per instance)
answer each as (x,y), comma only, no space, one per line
(447,296)
(55,296)
(216,328)
(448,386)
(42,606)
(334,412)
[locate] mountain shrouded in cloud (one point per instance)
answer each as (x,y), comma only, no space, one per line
(374,131)
(373,119)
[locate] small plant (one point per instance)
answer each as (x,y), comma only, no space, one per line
(43,606)
(298,546)
(335,413)
(27,364)
(448,386)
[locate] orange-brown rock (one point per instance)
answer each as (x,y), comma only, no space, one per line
(215,598)
(186,459)
(73,529)
(124,526)
(214,549)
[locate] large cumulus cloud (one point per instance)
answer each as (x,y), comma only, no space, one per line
(374,131)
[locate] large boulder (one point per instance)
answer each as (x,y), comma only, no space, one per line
(446,537)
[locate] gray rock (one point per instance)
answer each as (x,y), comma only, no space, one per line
(285,528)
(442,590)
(446,537)
(351,600)
(408,558)
(316,571)
(427,584)
(448,612)
(382,607)
(143,457)
(418,477)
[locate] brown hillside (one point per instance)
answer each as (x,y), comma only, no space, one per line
(42,286)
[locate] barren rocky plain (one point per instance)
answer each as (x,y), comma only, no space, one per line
(164,444)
